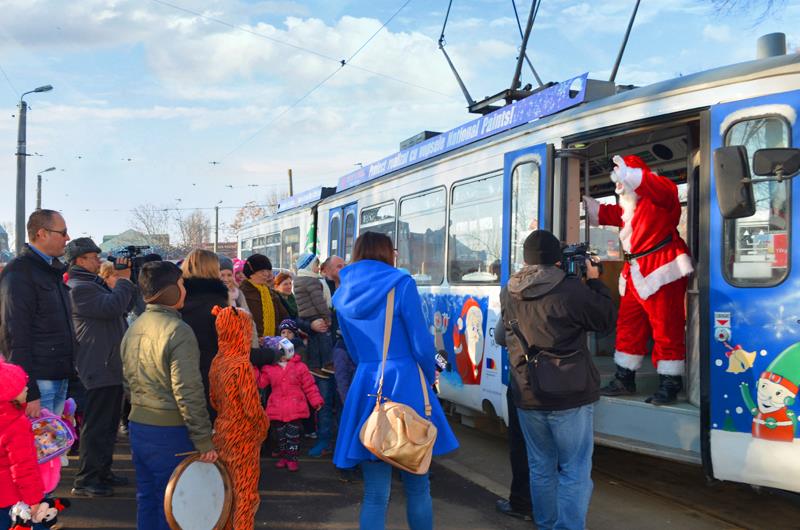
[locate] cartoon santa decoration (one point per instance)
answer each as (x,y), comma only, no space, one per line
(468,342)
(653,282)
(776,392)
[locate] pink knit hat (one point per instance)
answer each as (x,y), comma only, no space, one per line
(238,265)
(13,380)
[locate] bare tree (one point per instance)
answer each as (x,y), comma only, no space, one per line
(153,221)
(273,200)
(7,244)
(746,7)
(194,228)
(247,213)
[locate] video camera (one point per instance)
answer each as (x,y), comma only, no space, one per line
(134,254)
(574,258)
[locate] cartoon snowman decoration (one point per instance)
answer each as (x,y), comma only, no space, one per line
(776,392)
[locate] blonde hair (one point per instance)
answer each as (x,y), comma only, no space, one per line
(201,264)
(106,269)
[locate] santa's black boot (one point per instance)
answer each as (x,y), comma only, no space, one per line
(623,384)
(668,388)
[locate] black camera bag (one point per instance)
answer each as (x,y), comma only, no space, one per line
(554,374)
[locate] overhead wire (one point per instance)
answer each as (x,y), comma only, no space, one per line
(301,48)
(316,87)
(8,80)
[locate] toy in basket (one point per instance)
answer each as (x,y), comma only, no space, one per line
(53,436)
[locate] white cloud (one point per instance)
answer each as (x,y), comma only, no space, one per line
(718,33)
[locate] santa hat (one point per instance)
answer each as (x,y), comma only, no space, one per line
(13,380)
(785,368)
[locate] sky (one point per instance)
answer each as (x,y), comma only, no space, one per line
(147,93)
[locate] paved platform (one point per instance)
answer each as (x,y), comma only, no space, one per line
(631,492)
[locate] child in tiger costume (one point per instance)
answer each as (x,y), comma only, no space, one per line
(241,424)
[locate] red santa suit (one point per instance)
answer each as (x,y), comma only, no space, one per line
(653,281)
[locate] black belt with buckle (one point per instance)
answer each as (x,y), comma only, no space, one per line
(631,257)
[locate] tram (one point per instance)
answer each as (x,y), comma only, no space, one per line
(459,205)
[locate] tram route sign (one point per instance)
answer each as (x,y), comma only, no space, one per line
(308,196)
(545,103)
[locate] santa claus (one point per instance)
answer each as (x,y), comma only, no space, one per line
(468,342)
(653,282)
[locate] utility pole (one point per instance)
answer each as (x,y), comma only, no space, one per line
(39,187)
(19,233)
(216,226)
(291,186)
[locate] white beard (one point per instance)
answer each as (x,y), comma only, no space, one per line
(475,348)
(627,200)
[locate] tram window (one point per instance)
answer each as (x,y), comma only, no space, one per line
(290,242)
(757,251)
(333,235)
(604,240)
(349,235)
(524,209)
(378,219)
(272,248)
(476,231)
(420,237)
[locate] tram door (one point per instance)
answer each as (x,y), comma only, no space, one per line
(753,365)
(525,174)
(342,231)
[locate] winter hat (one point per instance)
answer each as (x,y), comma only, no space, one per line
(158,281)
(282,277)
(255,263)
(289,324)
(306,260)
(541,248)
(78,247)
(225,263)
(785,369)
(13,380)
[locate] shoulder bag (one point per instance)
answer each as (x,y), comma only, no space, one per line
(551,373)
(394,432)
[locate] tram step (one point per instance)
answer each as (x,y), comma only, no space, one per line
(671,431)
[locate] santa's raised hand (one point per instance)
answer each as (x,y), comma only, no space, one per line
(626,178)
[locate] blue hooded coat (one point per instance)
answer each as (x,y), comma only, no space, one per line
(360,304)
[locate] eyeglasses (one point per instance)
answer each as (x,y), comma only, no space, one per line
(62,232)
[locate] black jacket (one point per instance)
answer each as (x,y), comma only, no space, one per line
(36,319)
(554,311)
(201,296)
(98,314)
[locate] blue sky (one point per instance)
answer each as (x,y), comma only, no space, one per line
(173,91)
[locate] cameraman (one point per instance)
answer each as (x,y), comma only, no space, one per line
(98,313)
(554,311)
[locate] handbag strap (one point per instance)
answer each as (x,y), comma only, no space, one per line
(387,335)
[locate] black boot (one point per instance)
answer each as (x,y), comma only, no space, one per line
(668,388)
(623,384)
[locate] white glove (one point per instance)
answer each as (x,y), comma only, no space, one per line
(592,208)
(631,177)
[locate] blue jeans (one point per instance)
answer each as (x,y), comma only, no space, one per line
(154,459)
(378,486)
(560,445)
(54,394)
(326,417)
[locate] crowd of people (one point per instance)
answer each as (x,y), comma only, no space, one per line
(213,356)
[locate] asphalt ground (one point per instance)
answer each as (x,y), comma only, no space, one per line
(631,491)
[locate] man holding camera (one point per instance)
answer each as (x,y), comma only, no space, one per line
(98,313)
(554,383)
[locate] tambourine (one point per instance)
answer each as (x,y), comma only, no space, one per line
(199,496)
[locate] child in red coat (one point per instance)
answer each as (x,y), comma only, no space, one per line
(20,479)
(292,388)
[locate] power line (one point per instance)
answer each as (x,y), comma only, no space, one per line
(304,49)
(10,84)
(317,86)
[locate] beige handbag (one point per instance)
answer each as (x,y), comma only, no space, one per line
(394,432)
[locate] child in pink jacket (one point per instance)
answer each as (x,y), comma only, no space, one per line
(292,388)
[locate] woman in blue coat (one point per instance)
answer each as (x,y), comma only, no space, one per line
(360,304)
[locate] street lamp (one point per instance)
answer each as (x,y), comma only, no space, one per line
(21,132)
(216,226)
(39,187)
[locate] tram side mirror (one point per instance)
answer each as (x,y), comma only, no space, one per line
(733,182)
(780,162)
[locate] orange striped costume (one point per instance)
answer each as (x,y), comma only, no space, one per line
(241,423)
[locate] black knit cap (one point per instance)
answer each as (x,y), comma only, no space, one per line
(255,263)
(541,248)
(156,276)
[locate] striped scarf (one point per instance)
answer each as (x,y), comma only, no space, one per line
(267,309)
